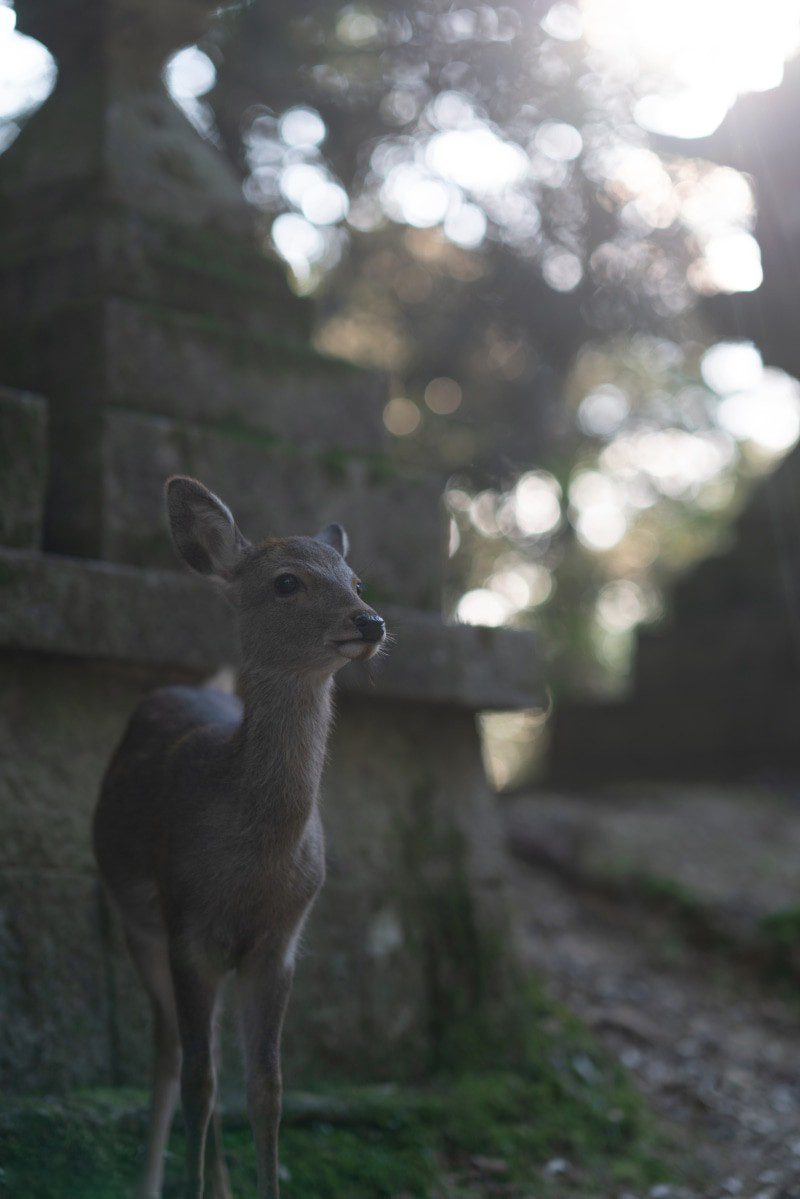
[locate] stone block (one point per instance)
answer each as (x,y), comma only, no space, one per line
(200,368)
(408,932)
(161,621)
(407,937)
(23,468)
(178,626)
(52,251)
(54,1016)
(161,360)
(59,722)
(393,518)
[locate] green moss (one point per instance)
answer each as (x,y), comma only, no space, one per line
(777,946)
(781,928)
(373,1142)
(665,892)
(56,1149)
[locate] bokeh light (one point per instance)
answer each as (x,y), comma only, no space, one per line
(443,396)
(401,416)
(302,126)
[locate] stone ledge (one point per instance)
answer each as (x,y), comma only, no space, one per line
(164,619)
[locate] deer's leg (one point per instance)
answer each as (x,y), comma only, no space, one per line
(151,958)
(264,985)
(216,1170)
(196,991)
(217,1183)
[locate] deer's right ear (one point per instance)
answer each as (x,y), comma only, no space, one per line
(203,528)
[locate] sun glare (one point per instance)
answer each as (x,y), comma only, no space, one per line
(27,74)
(689,59)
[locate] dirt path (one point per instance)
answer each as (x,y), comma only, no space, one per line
(717,1054)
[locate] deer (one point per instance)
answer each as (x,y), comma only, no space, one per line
(207,832)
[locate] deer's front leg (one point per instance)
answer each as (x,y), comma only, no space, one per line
(264,985)
(196,991)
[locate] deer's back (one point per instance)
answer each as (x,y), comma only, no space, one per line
(175,745)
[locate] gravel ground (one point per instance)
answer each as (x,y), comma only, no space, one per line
(716,1053)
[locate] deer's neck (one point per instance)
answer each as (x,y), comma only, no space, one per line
(281,749)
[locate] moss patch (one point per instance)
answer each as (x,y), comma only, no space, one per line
(457,1135)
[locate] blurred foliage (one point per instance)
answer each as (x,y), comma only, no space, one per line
(467,195)
(475,210)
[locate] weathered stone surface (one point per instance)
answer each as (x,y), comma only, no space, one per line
(408,932)
(100,611)
(54,1018)
(110,124)
(23,465)
(197,368)
(59,720)
(413,910)
(275,490)
(163,619)
(119,316)
(162,360)
(52,251)
(409,928)
(481,669)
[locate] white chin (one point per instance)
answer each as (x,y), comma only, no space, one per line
(357,651)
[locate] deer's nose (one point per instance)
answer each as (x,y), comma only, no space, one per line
(370,626)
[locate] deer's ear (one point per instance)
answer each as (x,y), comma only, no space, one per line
(334,536)
(203,528)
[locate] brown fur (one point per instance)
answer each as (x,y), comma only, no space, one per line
(207,832)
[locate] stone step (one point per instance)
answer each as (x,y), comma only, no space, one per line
(55,254)
(392,514)
(160,360)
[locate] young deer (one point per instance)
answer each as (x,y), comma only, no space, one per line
(207,832)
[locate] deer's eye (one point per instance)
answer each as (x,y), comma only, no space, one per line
(359,587)
(287,584)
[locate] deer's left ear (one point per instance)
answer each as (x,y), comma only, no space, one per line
(334,536)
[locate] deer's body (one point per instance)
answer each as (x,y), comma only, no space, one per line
(207,832)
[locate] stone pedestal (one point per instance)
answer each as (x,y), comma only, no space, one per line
(143,333)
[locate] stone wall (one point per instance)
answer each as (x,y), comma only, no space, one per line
(715,690)
(144,333)
(410,932)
